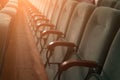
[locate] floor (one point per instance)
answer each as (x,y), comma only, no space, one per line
(22,60)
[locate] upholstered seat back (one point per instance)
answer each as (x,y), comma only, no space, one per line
(107,3)
(65,15)
(78,22)
(117,6)
(99,33)
(56,11)
(111,69)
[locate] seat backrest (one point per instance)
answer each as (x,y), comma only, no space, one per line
(107,3)
(117,5)
(56,11)
(44,6)
(65,15)
(68,9)
(99,33)
(78,22)
(52,5)
(41,4)
(111,69)
(46,9)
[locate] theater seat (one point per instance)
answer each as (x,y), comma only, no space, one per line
(99,33)
(111,68)
(97,38)
(76,27)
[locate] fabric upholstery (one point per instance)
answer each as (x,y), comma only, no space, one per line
(111,69)
(99,34)
(117,6)
(107,3)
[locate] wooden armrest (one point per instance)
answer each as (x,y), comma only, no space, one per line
(45,32)
(51,47)
(60,43)
(45,25)
(40,18)
(33,14)
(85,63)
(70,63)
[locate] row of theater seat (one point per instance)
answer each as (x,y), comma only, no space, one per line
(7,15)
(75,33)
